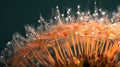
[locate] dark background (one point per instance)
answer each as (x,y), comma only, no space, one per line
(14,14)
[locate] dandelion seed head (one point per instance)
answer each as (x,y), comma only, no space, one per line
(81,40)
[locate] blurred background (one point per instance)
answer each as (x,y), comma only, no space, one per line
(14,14)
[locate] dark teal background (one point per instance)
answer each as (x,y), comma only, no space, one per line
(14,14)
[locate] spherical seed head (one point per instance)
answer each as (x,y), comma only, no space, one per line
(75,42)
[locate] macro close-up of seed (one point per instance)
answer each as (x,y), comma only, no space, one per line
(74,38)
